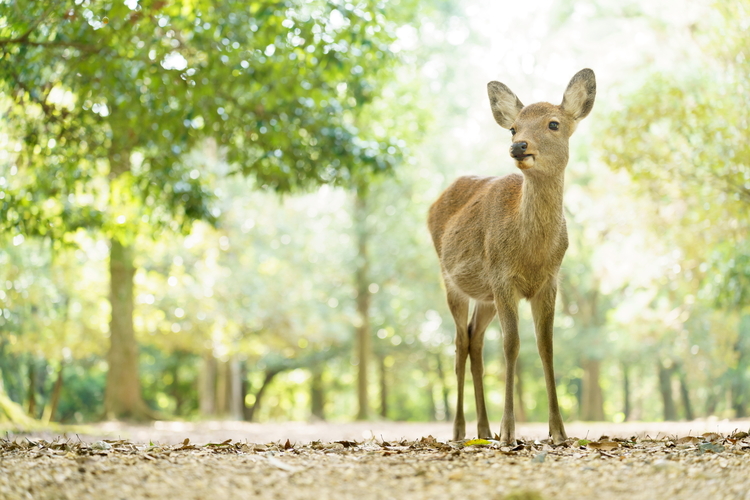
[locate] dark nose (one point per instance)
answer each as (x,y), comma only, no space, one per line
(518,149)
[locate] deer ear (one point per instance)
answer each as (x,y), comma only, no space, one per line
(504,103)
(580,94)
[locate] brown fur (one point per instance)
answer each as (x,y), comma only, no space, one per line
(501,239)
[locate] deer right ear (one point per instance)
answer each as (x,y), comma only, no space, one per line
(504,103)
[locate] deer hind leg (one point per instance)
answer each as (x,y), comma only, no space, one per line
(483,314)
(459,307)
(543,311)
(507,311)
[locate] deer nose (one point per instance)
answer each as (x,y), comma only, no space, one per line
(518,149)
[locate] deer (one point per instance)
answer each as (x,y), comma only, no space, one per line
(502,239)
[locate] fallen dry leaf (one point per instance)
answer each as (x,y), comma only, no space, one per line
(689,440)
(603,445)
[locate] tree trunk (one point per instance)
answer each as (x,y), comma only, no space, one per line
(122,398)
(665,388)
(10,411)
(222,388)
(626,391)
(448,417)
(431,404)
(739,373)
(364,342)
(207,385)
(384,388)
(174,387)
(520,408)
(593,401)
(237,397)
(317,393)
(711,402)
(685,395)
(253,410)
(54,401)
(31,395)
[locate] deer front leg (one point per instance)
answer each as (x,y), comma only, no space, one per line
(459,307)
(543,311)
(507,311)
(483,314)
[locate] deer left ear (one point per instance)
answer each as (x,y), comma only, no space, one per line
(578,99)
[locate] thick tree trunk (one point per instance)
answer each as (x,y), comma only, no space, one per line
(665,389)
(54,401)
(222,388)
(364,342)
(592,400)
(122,397)
(207,385)
(237,397)
(317,393)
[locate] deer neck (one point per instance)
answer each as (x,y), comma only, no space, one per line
(541,207)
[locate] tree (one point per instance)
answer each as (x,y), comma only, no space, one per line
(52,311)
(106,99)
(681,137)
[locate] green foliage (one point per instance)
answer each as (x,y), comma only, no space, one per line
(102,94)
(106,103)
(682,137)
(83,392)
(170,381)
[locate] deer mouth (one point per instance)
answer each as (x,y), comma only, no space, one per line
(524,161)
(520,157)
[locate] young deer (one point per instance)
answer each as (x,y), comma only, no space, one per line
(502,239)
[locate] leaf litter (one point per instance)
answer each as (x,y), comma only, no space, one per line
(706,466)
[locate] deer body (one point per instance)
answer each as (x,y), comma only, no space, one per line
(502,239)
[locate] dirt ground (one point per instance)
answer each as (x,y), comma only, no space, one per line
(377,460)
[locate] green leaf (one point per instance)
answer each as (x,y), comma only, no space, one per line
(710,447)
(477,442)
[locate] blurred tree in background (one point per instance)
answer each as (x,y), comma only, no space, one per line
(683,139)
(109,97)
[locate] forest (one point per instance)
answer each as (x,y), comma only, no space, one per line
(217,210)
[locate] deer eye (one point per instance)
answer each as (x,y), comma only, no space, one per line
(513,131)
(554,126)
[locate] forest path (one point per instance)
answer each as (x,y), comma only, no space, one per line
(302,461)
(172,432)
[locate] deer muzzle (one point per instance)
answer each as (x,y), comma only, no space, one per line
(518,150)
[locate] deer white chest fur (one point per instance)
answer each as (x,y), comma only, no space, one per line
(501,239)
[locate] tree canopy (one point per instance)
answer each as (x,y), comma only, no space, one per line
(126,89)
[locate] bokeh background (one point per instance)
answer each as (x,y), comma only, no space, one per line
(217,209)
